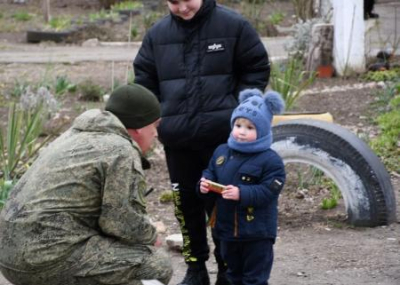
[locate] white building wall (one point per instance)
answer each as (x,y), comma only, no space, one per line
(349,33)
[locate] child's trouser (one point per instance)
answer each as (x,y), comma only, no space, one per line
(249,262)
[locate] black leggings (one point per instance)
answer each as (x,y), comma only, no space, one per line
(185,169)
(368,6)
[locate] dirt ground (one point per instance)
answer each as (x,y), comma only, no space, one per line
(314,246)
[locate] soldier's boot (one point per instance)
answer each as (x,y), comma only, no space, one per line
(196,274)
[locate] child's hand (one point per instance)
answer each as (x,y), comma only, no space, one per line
(231,193)
(204,185)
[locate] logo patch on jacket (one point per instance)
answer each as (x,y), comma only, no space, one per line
(276,185)
(220,160)
(215,47)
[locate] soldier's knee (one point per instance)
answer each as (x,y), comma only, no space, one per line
(163,266)
(158,266)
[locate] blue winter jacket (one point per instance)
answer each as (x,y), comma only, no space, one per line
(260,178)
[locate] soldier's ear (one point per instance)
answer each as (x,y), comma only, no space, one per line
(134,133)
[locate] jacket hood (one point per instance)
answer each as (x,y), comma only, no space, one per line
(96,120)
(203,12)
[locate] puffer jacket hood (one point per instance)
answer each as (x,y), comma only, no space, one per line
(204,11)
(96,120)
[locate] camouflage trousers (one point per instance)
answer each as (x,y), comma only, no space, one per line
(100,261)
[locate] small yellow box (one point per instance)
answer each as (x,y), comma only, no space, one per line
(216,187)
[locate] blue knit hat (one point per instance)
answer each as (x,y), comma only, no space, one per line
(259,109)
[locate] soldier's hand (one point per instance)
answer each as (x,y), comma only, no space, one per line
(158,242)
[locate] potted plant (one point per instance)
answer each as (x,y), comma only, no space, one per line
(325,69)
(57,29)
(128,8)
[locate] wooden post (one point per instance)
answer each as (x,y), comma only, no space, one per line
(349,33)
(46,10)
(321,49)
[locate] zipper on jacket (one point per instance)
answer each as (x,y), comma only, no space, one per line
(235,231)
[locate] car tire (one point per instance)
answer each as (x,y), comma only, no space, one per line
(359,174)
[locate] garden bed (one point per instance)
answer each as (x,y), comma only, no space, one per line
(12,29)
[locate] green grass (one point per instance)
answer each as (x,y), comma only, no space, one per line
(5,189)
(89,91)
(62,85)
(103,15)
(127,5)
(59,23)
(276,18)
(331,202)
(387,144)
(134,31)
(385,75)
(309,177)
(166,197)
(18,145)
(150,18)
(18,21)
(22,16)
(19,88)
(290,79)
(21,137)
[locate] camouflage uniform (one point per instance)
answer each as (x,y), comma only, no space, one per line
(78,215)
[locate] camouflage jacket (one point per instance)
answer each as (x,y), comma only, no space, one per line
(88,182)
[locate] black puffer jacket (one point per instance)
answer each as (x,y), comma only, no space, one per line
(196,68)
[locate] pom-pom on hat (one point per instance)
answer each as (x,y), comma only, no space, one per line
(134,105)
(259,109)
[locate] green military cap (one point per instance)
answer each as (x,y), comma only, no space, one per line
(134,105)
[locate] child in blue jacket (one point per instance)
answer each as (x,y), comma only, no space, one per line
(246,211)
